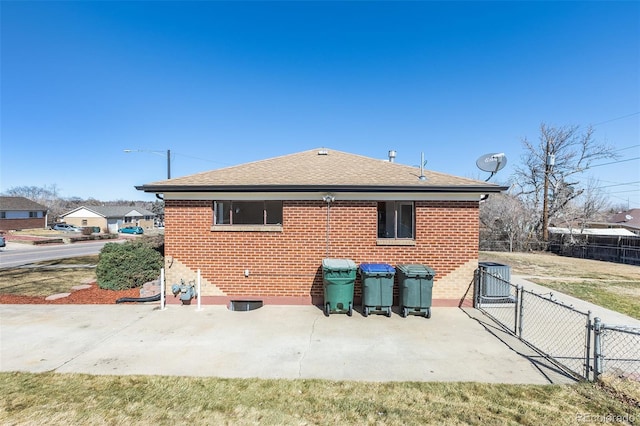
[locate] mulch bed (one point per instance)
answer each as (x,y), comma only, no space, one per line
(90,296)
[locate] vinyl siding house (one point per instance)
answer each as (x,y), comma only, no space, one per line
(110,218)
(21,213)
(260,230)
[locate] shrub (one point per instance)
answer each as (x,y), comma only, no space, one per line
(127,265)
(87,230)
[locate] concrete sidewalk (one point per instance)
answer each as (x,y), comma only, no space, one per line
(287,342)
(606,315)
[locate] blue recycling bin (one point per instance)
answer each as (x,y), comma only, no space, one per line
(377,287)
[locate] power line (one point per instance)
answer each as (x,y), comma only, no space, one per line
(618,184)
(629,147)
(616,119)
(624,192)
(613,162)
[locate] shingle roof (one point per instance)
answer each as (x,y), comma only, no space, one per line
(630,218)
(114,211)
(311,169)
(20,204)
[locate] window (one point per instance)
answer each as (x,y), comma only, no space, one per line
(33,214)
(396,219)
(84,222)
(3,215)
(247,212)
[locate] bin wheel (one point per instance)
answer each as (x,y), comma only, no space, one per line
(327,309)
(428,315)
(365,311)
(350,311)
(405,312)
(389,312)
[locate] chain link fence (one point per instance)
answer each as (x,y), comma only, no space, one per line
(616,351)
(566,336)
(558,331)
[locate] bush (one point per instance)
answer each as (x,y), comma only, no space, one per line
(127,265)
(87,230)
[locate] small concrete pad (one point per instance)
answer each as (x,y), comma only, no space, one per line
(57,296)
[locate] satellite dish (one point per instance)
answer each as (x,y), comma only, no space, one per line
(492,163)
(628,217)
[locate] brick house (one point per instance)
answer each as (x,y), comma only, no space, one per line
(21,213)
(260,230)
(110,218)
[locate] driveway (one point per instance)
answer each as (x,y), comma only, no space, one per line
(287,342)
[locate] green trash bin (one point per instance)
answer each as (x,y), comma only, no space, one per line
(377,287)
(415,284)
(338,277)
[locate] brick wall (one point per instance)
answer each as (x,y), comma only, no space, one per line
(288,263)
(15,224)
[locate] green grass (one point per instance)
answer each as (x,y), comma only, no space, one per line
(42,280)
(614,295)
(51,398)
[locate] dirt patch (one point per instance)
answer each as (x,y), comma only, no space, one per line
(90,296)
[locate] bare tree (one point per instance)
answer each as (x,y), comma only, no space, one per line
(505,224)
(557,160)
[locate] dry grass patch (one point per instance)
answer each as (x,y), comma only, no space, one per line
(610,285)
(546,264)
(83,399)
(49,277)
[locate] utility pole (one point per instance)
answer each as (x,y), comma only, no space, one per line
(168,164)
(549,162)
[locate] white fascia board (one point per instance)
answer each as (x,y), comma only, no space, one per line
(318,196)
(83,212)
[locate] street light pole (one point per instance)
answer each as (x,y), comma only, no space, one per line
(168,154)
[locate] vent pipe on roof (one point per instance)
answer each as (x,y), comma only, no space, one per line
(422,176)
(392,156)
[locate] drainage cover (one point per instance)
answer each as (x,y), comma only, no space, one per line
(244,305)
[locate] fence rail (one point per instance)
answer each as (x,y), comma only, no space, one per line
(580,345)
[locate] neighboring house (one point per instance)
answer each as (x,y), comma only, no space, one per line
(629,219)
(110,218)
(21,213)
(260,230)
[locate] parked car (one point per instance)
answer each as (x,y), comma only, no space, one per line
(66,227)
(3,242)
(132,230)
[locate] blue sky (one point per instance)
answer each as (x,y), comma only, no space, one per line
(224,83)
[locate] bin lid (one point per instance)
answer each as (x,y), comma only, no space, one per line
(417,269)
(338,264)
(489,264)
(377,268)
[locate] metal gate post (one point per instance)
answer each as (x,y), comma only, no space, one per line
(519,309)
(597,348)
(588,346)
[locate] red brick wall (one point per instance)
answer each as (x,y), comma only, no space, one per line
(15,224)
(288,263)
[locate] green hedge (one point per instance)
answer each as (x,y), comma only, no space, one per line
(127,265)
